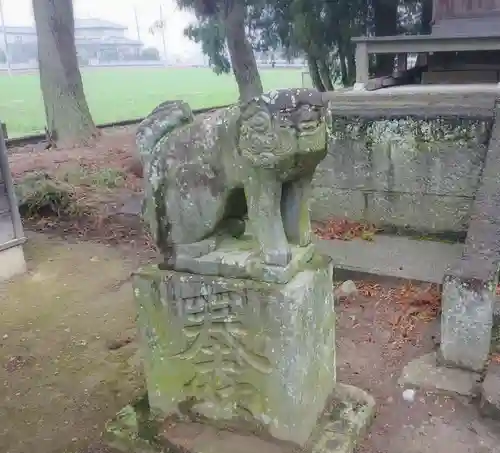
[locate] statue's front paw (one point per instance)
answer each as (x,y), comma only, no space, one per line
(278,257)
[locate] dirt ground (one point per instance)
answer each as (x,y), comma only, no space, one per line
(67,357)
(372,354)
(106,189)
(68,353)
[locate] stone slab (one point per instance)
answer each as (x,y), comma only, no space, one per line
(423,212)
(426,213)
(238,350)
(469,286)
(417,173)
(489,404)
(425,373)
(393,257)
(466,323)
(344,422)
(397,157)
(453,77)
(12,262)
(237,258)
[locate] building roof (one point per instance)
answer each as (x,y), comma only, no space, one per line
(79,25)
(97,23)
(112,40)
(18,30)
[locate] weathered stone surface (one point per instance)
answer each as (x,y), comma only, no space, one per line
(230,349)
(420,212)
(345,420)
(461,76)
(470,286)
(466,322)
(425,373)
(329,202)
(417,211)
(238,258)
(414,172)
(489,404)
(390,258)
(437,156)
(205,172)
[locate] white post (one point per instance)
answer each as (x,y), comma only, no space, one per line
(6,44)
(164,24)
(362,66)
(136,16)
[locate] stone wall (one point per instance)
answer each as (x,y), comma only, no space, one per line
(413,172)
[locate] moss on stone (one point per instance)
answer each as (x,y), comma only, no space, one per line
(408,133)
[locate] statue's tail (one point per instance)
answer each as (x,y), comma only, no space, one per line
(163,119)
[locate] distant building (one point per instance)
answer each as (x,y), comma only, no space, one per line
(101,40)
(21,42)
(96,41)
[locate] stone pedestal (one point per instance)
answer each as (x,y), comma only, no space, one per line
(466,322)
(238,351)
(12,262)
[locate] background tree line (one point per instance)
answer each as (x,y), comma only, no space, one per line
(318,30)
(229,31)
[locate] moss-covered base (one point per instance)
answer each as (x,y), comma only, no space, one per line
(238,349)
(344,422)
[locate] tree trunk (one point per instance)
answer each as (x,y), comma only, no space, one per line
(386,24)
(426,17)
(347,61)
(241,53)
(351,66)
(324,73)
(343,68)
(314,73)
(69,122)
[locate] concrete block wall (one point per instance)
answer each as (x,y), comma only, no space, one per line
(420,174)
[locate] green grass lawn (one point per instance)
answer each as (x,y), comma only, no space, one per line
(125,93)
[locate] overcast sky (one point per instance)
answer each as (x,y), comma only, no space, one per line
(19,12)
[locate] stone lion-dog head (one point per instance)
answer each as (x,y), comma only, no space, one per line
(281,124)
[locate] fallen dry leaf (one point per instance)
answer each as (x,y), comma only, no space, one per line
(495,358)
(344,229)
(411,304)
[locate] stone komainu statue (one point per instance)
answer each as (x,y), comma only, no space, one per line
(205,173)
